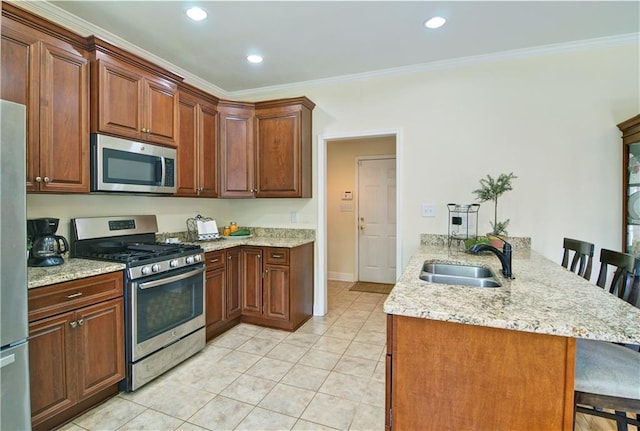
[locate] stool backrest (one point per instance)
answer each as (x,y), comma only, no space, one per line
(581,262)
(625,267)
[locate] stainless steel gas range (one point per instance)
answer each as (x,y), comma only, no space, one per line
(164,291)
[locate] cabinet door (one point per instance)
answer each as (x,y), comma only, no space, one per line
(161,112)
(236,153)
(252,286)
(187,146)
(119,98)
(99,356)
(50,366)
(64,121)
(214,298)
(208,167)
(276,292)
(234,270)
(20,71)
(278,156)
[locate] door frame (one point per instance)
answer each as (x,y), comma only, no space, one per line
(320,270)
(357,224)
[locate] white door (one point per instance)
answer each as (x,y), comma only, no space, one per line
(377,220)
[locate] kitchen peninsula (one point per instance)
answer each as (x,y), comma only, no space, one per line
(493,358)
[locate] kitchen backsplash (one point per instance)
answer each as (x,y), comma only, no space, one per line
(517,242)
(266,232)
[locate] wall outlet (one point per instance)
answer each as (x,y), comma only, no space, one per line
(294,217)
(428,210)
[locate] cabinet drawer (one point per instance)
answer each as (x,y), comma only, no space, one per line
(214,260)
(277,256)
(57,298)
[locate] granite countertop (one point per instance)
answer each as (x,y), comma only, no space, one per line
(73,269)
(543,298)
(258,241)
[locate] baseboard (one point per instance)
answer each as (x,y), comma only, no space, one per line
(341,276)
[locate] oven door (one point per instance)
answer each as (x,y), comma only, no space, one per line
(165,308)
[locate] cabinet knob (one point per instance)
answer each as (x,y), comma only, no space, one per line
(258,256)
(38,179)
(73,324)
(47,179)
(81,322)
(229,257)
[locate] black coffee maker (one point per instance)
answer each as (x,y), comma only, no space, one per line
(46,246)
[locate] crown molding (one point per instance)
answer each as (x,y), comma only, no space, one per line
(49,11)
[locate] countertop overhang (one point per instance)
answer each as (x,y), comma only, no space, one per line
(543,298)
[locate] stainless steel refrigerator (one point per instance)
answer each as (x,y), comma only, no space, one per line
(15,405)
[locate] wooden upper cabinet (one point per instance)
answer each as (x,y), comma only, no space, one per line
(120,100)
(131,97)
(197,144)
(236,150)
(283,148)
(46,68)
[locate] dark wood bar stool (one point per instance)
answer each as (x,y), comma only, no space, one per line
(625,266)
(607,375)
(581,261)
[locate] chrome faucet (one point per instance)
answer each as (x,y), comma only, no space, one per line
(504,255)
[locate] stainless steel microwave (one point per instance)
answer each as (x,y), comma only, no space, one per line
(122,165)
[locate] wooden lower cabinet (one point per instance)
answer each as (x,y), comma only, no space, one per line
(452,376)
(222,292)
(76,347)
(233,299)
(278,286)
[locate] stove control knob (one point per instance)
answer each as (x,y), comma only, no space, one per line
(155,267)
(173,263)
(198,257)
(189,260)
(145,270)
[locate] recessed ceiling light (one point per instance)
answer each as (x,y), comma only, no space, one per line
(254,58)
(435,22)
(196,13)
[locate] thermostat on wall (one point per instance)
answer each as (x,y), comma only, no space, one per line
(347,196)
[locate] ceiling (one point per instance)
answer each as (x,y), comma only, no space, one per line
(314,40)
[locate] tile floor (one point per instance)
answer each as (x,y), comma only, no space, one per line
(328,375)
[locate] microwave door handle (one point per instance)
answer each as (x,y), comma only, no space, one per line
(160,172)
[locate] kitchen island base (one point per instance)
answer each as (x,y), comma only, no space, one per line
(452,376)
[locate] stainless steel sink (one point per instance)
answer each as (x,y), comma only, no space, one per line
(464,275)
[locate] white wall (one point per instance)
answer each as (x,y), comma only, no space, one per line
(549,119)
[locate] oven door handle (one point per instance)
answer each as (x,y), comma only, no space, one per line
(150,284)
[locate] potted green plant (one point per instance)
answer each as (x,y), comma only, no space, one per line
(490,190)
